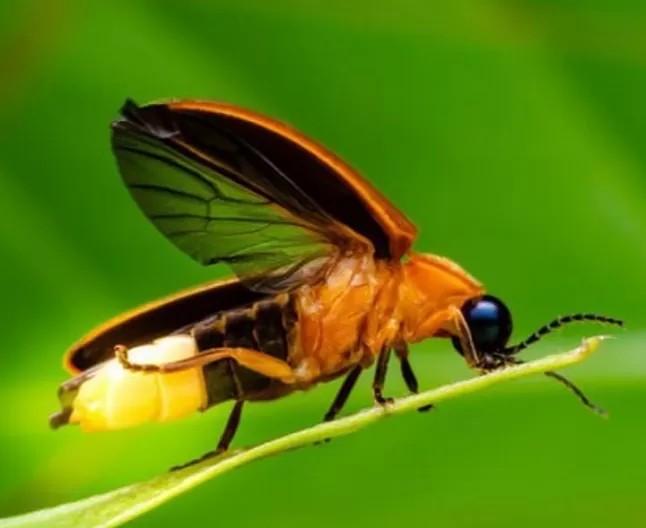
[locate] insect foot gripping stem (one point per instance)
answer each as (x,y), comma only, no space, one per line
(108,397)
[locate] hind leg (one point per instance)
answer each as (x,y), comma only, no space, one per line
(225,440)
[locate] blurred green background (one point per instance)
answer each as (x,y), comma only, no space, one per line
(512,132)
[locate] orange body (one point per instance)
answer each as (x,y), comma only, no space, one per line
(366,305)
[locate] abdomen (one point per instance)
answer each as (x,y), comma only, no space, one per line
(266,326)
(317,330)
(107,397)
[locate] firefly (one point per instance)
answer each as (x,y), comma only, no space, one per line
(326,282)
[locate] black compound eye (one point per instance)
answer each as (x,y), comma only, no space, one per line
(489,321)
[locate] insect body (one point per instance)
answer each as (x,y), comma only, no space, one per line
(327,283)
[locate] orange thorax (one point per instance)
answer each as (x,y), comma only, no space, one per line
(365,305)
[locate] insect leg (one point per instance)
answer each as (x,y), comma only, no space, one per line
(259,362)
(466,341)
(450,316)
(225,440)
(401,350)
(231,428)
(342,396)
(380,376)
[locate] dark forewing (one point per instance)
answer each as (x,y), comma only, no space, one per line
(226,185)
(158,319)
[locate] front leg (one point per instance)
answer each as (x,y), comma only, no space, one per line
(449,319)
(407,373)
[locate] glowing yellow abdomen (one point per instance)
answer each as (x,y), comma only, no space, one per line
(116,398)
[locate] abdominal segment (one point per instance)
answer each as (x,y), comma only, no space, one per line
(114,398)
(267,326)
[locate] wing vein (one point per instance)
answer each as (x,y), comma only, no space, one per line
(166,190)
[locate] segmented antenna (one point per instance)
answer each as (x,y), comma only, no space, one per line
(578,392)
(558,322)
(571,386)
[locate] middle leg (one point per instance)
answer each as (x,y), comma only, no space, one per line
(380,376)
(342,397)
(344,392)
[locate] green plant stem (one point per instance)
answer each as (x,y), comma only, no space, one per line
(119,506)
